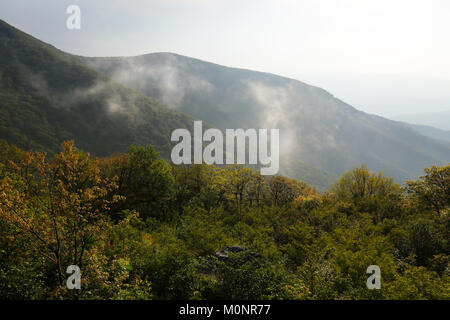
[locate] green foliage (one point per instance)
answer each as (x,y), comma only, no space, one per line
(143,179)
(433,189)
(142,229)
(170,266)
(244,278)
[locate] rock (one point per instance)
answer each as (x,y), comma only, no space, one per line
(223,254)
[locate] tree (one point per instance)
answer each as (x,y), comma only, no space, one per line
(285,190)
(433,189)
(145,180)
(235,183)
(195,186)
(361,183)
(61,206)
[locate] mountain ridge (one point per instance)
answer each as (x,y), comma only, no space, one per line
(46,98)
(218,97)
(106,104)
(439,120)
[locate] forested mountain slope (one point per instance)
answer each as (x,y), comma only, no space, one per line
(318,131)
(45,99)
(106,104)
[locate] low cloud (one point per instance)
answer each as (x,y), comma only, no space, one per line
(169,77)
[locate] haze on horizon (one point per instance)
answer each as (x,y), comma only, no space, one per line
(383,57)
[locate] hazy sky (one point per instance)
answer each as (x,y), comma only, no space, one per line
(386,57)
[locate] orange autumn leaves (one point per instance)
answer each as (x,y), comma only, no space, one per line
(61,205)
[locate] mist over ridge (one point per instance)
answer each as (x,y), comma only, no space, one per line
(106,104)
(318,132)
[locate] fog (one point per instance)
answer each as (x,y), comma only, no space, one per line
(384,57)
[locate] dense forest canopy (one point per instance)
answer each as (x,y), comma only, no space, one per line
(141,228)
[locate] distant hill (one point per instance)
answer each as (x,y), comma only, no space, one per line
(435,133)
(318,131)
(45,99)
(47,96)
(440,120)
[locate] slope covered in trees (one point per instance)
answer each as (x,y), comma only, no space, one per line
(318,132)
(45,99)
(140,228)
(48,96)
